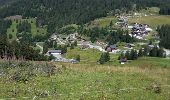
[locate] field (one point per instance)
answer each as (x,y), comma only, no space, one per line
(34,30)
(102,22)
(153,21)
(84,81)
(89,56)
(146,78)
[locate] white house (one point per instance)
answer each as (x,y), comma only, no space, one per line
(53,52)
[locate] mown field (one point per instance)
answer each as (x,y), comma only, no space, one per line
(40,80)
(102,22)
(153,21)
(34,30)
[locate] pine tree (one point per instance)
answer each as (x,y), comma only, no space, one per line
(133,55)
(127,55)
(45,48)
(107,57)
(78,58)
(146,51)
(153,52)
(102,59)
(140,54)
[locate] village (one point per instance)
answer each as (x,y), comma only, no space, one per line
(136,30)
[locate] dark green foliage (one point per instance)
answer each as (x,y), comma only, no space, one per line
(146,51)
(141,53)
(45,48)
(152,52)
(127,55)
(164,31)
(165,9)
(24,27)
(157,52)
(10,36)
(78,58)
(58,13)
(72,46)
(105,57)
(132,55)
(62,48)
(75,43)
(122,55)
(109,35)
(111,24)
(51,57)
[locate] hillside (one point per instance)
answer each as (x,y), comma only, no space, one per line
(40,80)
(34,29)
(56,13)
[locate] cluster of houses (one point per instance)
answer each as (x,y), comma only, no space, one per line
(139,30)
(122,21)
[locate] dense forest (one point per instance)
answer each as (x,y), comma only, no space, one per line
(165,10)
(57,13)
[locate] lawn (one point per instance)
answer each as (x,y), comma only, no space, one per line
(153,21)
(88,55)
(151,62)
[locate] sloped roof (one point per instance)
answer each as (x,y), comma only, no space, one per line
(54,51)
(113,46)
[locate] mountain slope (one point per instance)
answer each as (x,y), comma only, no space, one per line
(62,12)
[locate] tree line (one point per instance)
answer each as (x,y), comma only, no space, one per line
(109,35)
(164,34)
(143,52)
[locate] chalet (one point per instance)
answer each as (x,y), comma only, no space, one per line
(123,60)
(73,61)
(84,46)
(110,48)
(54,52)
(129,45)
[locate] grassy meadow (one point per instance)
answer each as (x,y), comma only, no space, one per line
(34,30)
(102,22)
(153,21)
(40,80)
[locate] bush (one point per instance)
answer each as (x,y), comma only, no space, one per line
(10,36)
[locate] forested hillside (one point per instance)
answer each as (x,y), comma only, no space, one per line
(61,12)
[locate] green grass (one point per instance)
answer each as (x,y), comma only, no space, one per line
(153,21)
(12,30)
(79,81)
(151,62)
(151,10)
(34,30)
(87,56)
(103,22)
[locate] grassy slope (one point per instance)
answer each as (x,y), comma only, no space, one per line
(102,22)
(90,56)
(153,21)
(87,82)
(33,28)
